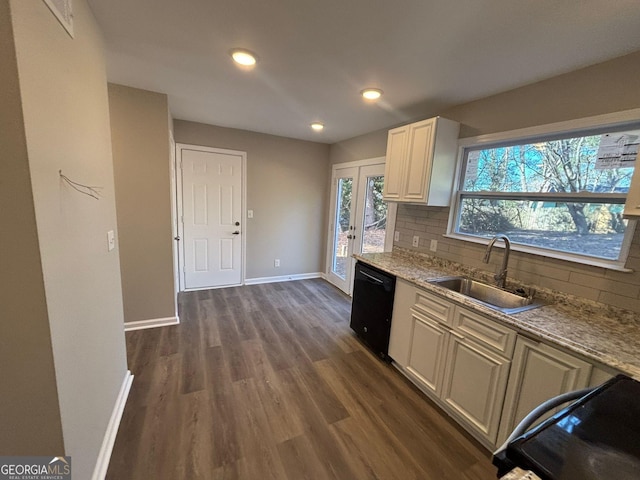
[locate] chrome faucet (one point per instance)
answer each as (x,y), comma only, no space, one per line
(501,276)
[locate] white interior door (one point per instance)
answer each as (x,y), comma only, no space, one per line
(212,183)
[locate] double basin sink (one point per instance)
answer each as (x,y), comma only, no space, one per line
(488,295)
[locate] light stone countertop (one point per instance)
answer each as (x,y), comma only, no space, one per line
(604,334)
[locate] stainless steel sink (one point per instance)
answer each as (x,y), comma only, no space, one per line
(493,297)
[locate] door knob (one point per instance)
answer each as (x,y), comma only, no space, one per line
(176,238)
(237,224)
(237,232)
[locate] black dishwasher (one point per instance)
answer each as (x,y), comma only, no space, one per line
(372,307)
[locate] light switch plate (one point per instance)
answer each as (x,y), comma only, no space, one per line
(111,240)
(434,245)
(249,213)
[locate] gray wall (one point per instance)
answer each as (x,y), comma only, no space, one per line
(607,87)
(287,190)
(604,88)
(30,418)
(66,117)
(141,164)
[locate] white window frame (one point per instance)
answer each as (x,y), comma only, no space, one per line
(627,118)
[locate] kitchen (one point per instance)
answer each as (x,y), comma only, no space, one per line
(557,99)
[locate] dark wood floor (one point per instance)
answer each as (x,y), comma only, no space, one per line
(268,382)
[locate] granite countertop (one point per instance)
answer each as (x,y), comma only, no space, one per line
(605,334)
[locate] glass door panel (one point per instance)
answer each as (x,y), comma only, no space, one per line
(342,229)
(341,238)
(375,216)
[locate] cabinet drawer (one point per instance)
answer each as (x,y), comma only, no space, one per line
(488,332)
(436,308)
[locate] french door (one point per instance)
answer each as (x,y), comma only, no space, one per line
(360,221)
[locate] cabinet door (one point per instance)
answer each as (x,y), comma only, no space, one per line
(539,372)
(401,323)
(632,205)
(474,383)
(419,161)
(427,352)
(395,163)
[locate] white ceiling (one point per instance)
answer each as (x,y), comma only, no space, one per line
(315,56)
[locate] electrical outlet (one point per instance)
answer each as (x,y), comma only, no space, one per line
(249,213)
(416,240)
(276,263)
(111,240)
(434,245)
(396,236)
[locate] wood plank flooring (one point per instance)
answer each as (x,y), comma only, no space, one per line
(269,382)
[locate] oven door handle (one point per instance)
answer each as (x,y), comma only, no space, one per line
(540,410)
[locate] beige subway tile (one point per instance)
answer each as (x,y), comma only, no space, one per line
(605,284)
(525,277)
(400,223)
(436,230)
(633,263)
(570,288)
(609,298)
(429,221)
(623,277)
(415,227)
(545,270)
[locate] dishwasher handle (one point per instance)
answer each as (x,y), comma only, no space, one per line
(372,278)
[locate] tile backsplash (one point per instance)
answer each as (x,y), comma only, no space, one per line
(610,287)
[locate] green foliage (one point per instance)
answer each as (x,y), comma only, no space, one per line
(345,186)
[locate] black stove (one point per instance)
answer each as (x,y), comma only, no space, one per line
(595,438)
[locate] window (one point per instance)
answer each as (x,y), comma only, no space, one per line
(558,195)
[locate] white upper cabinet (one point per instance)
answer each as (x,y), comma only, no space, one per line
(421,161)
(632,206)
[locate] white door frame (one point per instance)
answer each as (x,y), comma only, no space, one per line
(391,213)
(175,234)
(179,210)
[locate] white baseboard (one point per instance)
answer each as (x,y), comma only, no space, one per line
(283,278)
(151,323)
(100,470)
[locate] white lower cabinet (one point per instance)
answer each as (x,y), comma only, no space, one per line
(478,370)
(474,383)
(454,355)
(427,351)
(539,372)
(401,322)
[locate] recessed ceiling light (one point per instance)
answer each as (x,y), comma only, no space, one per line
(371,93)
(317,126)
(243,57)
